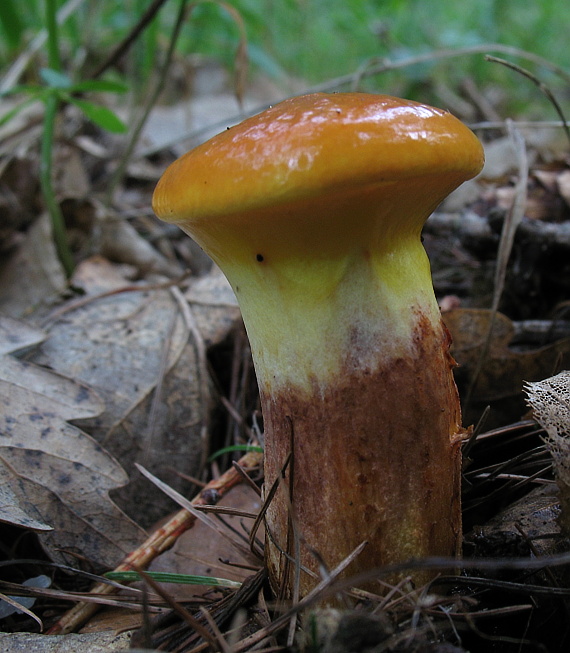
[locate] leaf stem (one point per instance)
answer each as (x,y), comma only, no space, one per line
(58,224)
(51,103)
(54,58)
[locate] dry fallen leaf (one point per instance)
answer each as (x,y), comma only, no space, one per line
(532,518)
(18,191)
(33,276)
(15,336)
(500,380)
(563,182)
(53,474)
(137,350)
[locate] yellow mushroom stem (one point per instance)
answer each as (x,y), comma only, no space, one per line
(356,381)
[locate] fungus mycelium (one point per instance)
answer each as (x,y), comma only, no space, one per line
(313,209)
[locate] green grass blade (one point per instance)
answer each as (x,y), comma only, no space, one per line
(233,448)
(99,115)
(12,24)
(99,86)
(179,579)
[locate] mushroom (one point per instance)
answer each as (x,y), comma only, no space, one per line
(313,209)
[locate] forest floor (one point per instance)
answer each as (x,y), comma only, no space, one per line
(140,360)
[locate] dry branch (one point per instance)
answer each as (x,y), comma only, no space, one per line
(160,541)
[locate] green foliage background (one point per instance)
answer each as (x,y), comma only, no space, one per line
(311,40)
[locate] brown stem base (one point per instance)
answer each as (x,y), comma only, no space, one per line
(376,458)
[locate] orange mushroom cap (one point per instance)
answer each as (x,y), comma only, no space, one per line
(313,145)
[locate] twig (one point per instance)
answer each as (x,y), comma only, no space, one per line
(313,596)
(521,124)
(267,501)
(510,226)
(188,506)
(541,85)
(124,46)
(85,301)
(247,479)
(160,541)
(202,367)
(126,156)
(371,68)
(179,609)
(224,646)
(149,433)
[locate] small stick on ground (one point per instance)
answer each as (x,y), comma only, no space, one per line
(160,541)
